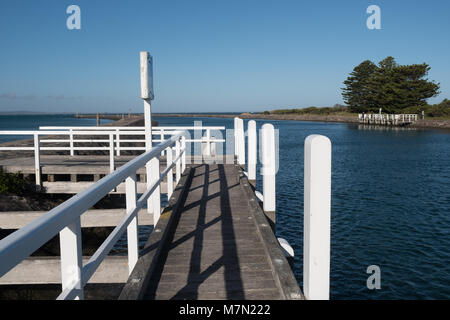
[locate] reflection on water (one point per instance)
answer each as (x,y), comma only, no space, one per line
(385,128)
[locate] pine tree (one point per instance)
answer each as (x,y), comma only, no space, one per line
(389,86)
(355,93)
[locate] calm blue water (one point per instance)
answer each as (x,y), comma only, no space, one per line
(32,122)
(390,206)
(390,202)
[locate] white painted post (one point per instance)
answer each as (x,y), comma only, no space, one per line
(147,95)
(162,140)
(235,136)
(71,257)
(183,156)
(251,166)
(156,195)
(71,142)
(111,153)
(241,142)
(118,142)
(37,160)
(317,218)
(268,166)
(208,143)
(132,229)
(170,173)
(178,163)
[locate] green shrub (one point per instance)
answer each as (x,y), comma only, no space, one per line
(12,183)
(436,110)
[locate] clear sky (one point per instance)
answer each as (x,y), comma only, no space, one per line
(209,56)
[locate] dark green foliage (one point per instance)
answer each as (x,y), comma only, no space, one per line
(12,183)
(389,86)
(312,110)
(357,89)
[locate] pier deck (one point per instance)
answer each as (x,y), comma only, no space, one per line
(213,243)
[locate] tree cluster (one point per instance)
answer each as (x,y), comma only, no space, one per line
(389,86)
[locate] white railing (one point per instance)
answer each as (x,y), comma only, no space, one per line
(387,118)
(317,198)
(65,220)
(162,131)
(107,135)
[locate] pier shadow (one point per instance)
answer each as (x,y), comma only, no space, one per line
(225,269)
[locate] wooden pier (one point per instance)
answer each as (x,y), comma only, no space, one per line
(214,239)
(387,119)
(214,242)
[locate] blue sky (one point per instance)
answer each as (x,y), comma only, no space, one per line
(209,56)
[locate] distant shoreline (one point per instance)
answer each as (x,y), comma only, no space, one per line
(425,124)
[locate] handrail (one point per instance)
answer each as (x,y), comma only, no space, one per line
(65,219)
(113,142)
(132,128)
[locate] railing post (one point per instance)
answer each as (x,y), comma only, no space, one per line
(132,229)
(37,160)
(156,195)
(170,173)
(118,142)
(317,218)
(178,164)
(111,153)
(183,156)
(268,170)
(71,257)
(251,166)
(71,142)
(208,145)
(162,140)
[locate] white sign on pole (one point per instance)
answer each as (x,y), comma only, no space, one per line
(146,76)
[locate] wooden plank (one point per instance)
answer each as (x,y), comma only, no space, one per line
(76,187)
(215,249)
(137,283)
(91,218)
(47,270)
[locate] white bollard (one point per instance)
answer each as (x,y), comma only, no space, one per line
(268,168)
(178,162)
(170,173)
(241,142)
(317,218)
(183,156)
(235,130)
(252,147)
